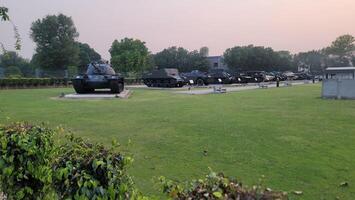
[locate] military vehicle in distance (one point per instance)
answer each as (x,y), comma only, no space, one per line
(240,77)
(167,78)
(196,77)
(255,76)
(215,76)
(279,75)
(303,76)
(99,75)
(220,76)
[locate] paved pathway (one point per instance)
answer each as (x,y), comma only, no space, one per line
(236,88)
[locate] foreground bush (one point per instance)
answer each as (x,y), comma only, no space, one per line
(32,166)
(25,161)
(90,171)
(217,186)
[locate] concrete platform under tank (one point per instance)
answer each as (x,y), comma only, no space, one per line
(99,95)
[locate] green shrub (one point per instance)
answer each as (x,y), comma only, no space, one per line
(72,71)
(217,186)
(26,157)
(91,171)
(32,82)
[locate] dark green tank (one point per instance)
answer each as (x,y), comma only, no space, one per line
(166,78)
(99,75)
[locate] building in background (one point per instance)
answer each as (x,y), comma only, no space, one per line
(216,62)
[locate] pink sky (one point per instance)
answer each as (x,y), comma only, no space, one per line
(295,25)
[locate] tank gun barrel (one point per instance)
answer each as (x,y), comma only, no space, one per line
(97,68)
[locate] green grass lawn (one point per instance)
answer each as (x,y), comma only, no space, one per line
(292,136)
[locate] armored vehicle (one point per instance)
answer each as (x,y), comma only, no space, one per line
(269,76)
(279,75)
(289,75)
(303,76)
(196,77)
(220,76)
(99,75)
(240,77)
(167,77)
(255,76)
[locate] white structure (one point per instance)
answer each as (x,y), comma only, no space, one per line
(339,83)
(216,62)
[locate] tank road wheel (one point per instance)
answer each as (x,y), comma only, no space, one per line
(179,84)
(116,87)
(148,83)
(121,87)
(199,82)
(79,87)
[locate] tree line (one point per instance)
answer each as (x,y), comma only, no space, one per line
(57,48)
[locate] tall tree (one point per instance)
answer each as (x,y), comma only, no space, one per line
(284,61)
(11,62)
(55,37)
(87,55)
(254,58)
(312,59)
(11,58)
(180,58)
(342,46)
(129,55)
(341,51)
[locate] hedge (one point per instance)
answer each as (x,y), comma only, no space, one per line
(47,82)
(32,82)
(33,166)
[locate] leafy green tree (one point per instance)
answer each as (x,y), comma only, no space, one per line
(87,55)
(55,37)
(129,55)
(342,46)
(180,58)
(284,61)
(12,59)
(341,51)
(255,58)
(314,59)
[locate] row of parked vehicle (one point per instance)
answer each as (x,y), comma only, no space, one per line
(101,75)
(172,78)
